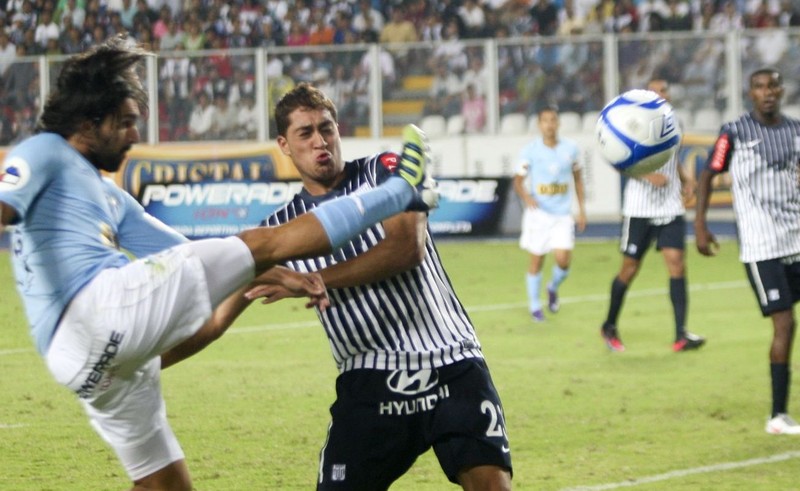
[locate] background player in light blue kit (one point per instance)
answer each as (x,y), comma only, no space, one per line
(547,169)
(101,320)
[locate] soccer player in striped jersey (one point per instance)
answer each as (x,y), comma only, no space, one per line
(761,152)
(653,210)
(102,321)
(412,374)
(547,173)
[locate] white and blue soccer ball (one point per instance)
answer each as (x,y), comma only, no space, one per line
(637,132)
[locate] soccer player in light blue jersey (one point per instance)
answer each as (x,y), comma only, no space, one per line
(103,322)
(546,172)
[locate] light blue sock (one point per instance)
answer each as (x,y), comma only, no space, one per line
(534,283)
(345,218)
(559,275)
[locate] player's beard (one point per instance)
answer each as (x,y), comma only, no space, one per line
(106,155)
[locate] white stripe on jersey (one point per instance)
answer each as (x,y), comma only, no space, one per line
(644,200)
(413,320)
(766,198)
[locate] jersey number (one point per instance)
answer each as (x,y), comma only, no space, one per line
(496,423)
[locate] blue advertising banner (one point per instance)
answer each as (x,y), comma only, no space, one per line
(221,190)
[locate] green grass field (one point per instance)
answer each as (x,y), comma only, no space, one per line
(251,410)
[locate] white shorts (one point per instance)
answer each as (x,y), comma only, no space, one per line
(108,344)
(543,232)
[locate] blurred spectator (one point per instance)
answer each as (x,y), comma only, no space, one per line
(789,15)
(476,75)
(344,32)
(385,62)
(247,118)
(473,109)
(445,92)
(70,10)
(702,21)
(473,18)
(367,18)
(545,17)
(298,35)
(195,39)
(678,16)
(145,16)
(322,32)
(19,78)
(237,37)
(771,43)
(46,30)
(8,53)
(127,13)
(432,29)
(201,120)
(225,119)
(699,77)
(161,25)
(762,14)
(399,29)
(570,23)
(726,20)
(173,37)
(450,52)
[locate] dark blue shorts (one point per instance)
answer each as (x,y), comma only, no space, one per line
(639,233)
(383,420)
(776,283)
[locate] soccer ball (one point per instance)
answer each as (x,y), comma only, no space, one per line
(637,132)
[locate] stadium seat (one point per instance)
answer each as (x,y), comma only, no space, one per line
(792,110)
(533,124)
(434,125)
(513,124)
(685,118)
(455,125)
(706,119)
(570,122)
(589,121)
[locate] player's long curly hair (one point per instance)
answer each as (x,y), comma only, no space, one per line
(93,85)
(304,96)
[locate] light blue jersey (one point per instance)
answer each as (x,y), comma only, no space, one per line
(71,223)
(548,174)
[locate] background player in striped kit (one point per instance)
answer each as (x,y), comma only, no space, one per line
(761,151)
(547,169)
(412,375)
(653,209)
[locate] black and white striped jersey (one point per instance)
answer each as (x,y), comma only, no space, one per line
(642,199)
(763,165)
(412,321)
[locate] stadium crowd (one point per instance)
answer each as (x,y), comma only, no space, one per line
(177,27)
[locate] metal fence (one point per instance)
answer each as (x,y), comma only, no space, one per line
(453,87)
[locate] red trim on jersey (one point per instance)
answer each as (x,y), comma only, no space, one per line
(719,155)
(388,160)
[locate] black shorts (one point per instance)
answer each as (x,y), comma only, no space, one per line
(776,283)
(638,233)
(383,420)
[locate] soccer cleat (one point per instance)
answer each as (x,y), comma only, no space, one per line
(782,424)
(688,342)
(414,168)
(537,315)
(552,301)
(611,338)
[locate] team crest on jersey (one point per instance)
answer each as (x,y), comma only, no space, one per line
(388,160)
(14,174)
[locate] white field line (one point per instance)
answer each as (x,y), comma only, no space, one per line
(724,466)
(724,285)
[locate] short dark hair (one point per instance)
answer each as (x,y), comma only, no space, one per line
(766,71)
(553,108)
(93,85)
(305,96)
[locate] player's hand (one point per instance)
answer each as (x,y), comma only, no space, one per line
(707,244)
(272,287)
(530,202)
(580,222)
